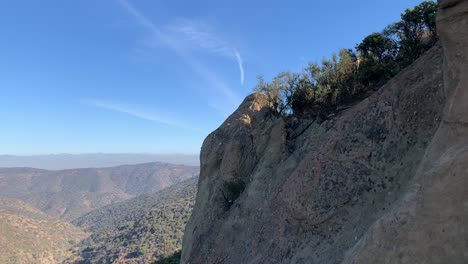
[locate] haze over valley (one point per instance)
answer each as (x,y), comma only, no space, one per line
(93,160)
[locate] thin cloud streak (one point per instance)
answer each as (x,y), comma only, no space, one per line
(200,34)
(241,66)
(196,65)
(135,112)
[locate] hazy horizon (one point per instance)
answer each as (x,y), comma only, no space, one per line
(93,160)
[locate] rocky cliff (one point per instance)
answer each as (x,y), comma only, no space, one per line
(381,182)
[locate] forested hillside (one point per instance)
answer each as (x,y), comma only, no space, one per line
(139,230)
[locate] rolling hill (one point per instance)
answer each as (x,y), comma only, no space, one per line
(27,235)
(68,194)
(138,230)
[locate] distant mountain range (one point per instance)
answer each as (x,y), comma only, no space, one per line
(68,194)
(93,160)
(139,230)
(27,235)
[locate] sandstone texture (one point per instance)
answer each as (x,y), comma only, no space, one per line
(384,181)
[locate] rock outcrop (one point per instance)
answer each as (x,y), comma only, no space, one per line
(381,182)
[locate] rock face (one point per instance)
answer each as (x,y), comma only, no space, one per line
(381,182)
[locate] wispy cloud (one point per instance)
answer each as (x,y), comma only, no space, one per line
(203,39)
(199,34)
(137,112)
(202,36)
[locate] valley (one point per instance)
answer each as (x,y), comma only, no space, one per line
(125,214)
(138,230)
(68,194)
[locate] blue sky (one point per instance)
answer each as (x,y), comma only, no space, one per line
(154,76)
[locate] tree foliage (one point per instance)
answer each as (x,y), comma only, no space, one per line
(320,89)
(416,31)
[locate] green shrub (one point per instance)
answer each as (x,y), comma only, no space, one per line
(171,259)
(232,189)
(143,250)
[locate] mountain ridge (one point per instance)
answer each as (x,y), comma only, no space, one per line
(93,160)
(70,193)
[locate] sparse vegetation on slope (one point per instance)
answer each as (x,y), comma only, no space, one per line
(30,236)
(139,230)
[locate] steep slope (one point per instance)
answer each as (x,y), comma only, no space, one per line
(30,236)
(68,194)
(381,182)
(134,231)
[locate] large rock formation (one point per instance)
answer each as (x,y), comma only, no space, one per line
(381,182)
